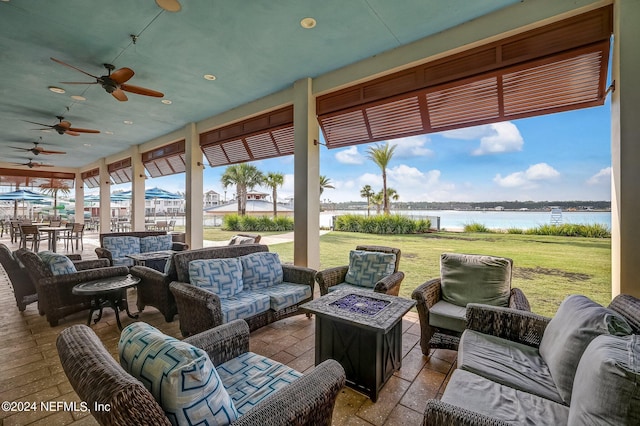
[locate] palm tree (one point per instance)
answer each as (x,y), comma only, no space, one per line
(367,192)
(392,194)
(377,200)
(52,188)
(325,183)
(273,181)
(244,176)
(381,155)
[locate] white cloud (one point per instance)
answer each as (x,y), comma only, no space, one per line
(412,146)
(350,156)
(494,138)
(604,175)
(527,178)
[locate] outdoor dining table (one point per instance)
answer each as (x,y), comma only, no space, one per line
(53,234)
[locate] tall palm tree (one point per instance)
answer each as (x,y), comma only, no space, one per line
(377,200)
(52,188)
(381,155)
(325,183)
(274,180)
(244,176)
(367,192)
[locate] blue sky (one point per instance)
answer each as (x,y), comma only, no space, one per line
(565,156)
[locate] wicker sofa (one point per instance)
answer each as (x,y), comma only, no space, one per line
(98,379)
(200,309)
(55,297)
(516,367)
(123,243)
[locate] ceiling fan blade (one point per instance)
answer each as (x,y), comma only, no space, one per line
(41,165)
(71,66)
(122,75)
(63,124)
(79,130)
(22,149)
(78,82)
(141,90)
(169,5)
(71,133)
(39,124)
(119,95)
(47,152)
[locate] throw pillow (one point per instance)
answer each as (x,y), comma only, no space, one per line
(58,264)
(366,268)
(121,246)
(238,240)
(180,376)
(470,278)
(577,322)
(606,384)
(220,276)
(156,243)
(260,270)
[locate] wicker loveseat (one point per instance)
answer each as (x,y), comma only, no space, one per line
(55,297)
(98,380)
(200,309)
(116,245)
(516,367)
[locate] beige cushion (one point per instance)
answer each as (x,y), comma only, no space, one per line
(468,278)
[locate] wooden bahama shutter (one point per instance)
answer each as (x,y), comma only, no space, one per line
(34,178)
(91,178)
(120,171)
(265,136)
(166,160)
(558,67)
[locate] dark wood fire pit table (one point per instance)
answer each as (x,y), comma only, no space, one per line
(362,330)
(108,292)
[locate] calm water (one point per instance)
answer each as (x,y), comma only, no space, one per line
(456,219)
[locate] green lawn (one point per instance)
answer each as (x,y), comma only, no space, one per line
(546,268)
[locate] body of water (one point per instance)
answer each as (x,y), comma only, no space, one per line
(457,219)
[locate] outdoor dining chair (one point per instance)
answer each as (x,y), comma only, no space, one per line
(30,233)
(75,232)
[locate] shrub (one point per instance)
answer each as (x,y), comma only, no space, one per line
(475,227)
(233,222)
(515,231)
(597,230)
(381,224)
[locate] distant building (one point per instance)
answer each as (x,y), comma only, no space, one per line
(257,196)
(211,198)
(499,208)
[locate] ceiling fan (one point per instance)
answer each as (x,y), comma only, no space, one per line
(31,164)
(64,127)
(114,82)
(37,150)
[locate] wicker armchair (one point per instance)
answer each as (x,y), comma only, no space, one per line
(153,289)
(429,293)
(55,297)
(98,379)
(388,285)
(23,288)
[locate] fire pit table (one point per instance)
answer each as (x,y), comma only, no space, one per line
(362,330)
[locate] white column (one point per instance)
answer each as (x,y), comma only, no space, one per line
(194,185)
(79,196)
(625,150)
(105,198)
(306,243)
(137,191)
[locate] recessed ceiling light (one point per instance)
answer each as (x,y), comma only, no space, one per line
(87,144)
(308,23)
(209,77)
(128,122)
(56,89)
(78,98)
(166,101)
(108,132)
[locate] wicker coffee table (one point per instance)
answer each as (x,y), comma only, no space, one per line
(362,330)
(108,293)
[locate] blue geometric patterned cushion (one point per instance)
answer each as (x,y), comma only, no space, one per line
(180,376)
(243,305)
(121,246)
(156,243)
(250,378)
(285,294)
(219,276)
(261,270)
(58,264)
(366,268)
